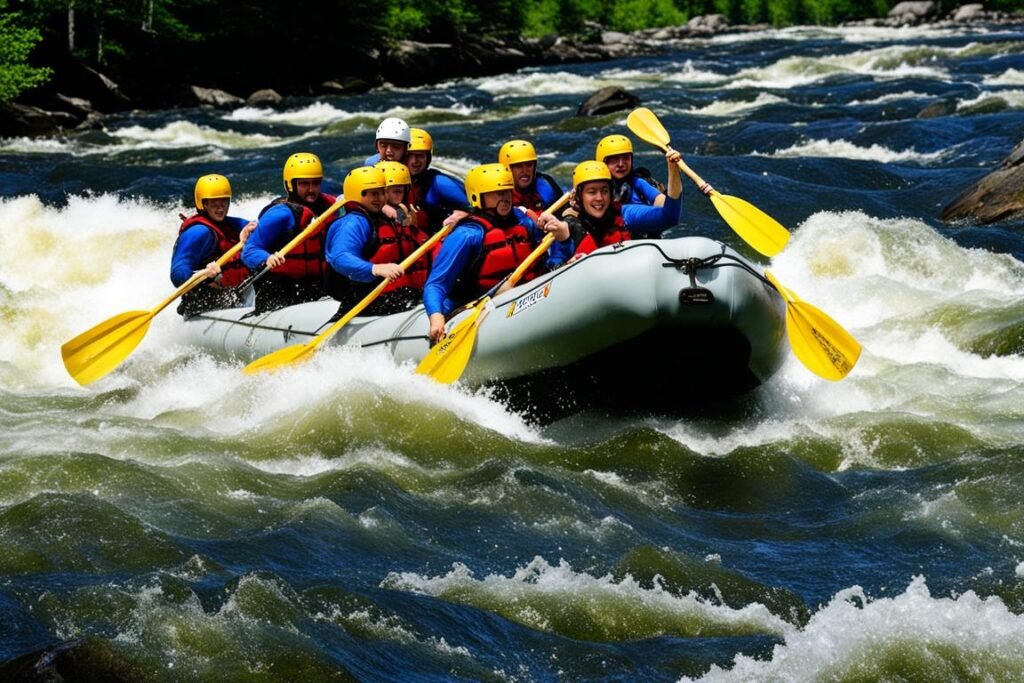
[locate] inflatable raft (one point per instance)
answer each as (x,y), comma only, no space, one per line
(647,323)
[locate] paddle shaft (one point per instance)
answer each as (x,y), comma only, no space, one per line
(369,298)
(701,184)
(446,360)
(296,241)
(510,280)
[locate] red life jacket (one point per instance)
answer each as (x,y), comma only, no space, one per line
(617,233)
(233,272)
(531,199)
(306,261)
(503,250)
(418,216)
(392,243)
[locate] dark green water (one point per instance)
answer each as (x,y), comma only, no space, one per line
(348,520)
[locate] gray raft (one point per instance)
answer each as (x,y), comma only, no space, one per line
(686,318)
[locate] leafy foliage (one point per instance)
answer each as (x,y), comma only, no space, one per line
(16,42)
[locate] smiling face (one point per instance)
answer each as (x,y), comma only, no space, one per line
(620,165)
(373,199)
(417,162)
(499,202)
(523,174)
(217,209)
(595,197)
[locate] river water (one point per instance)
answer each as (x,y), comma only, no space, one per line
(349,520)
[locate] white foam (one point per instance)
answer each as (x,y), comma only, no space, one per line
(1014,99)
(859,637)
(892,97)
(1008,77)
(732,107)
(539,589)
(850,150)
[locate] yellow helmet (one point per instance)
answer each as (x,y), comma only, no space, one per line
(516,152)
(301,165)
(612,145)
(590,170)
(360,180)
(212,187)
(487,178)
(421,141)
(395,173)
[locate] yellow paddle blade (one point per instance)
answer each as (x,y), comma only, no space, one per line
(647,127)
(101,348)
(818,341)
(290,354)
(448,358)
(757,228)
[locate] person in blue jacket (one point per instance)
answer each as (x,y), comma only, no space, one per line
(202,239)
(629,185)
(298,276)
(391,143)
(365,245)
(436,199)
(488,245)
(533,190)
(597,219)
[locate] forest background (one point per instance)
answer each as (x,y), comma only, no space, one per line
(292,47)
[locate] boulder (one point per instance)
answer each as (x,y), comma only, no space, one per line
(214,97)
(607,100)
(936,109)
(87,659)
(972,12)
(614,37)
(913,11)
(997,196)
(21,120)
(708,22)
(266,96)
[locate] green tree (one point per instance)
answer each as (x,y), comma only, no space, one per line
(631,15)
(16,42)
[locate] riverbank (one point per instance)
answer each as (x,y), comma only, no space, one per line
(78,97)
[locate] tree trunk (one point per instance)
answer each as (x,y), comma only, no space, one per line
(71,26)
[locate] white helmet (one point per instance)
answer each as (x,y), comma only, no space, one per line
(394,129)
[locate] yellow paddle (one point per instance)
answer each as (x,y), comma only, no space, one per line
(758,229)
(100,349)
(446,360)
(818,341)
(302,352)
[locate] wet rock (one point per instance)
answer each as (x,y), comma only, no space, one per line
(264,97)
(22,120)
(215,97)
(92,122)
(998,196)
(348,86)
(708,23)
(936,109)
(607,100)
(614,37)
(75,105)
(913,11)
(88,660)
(972,12)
